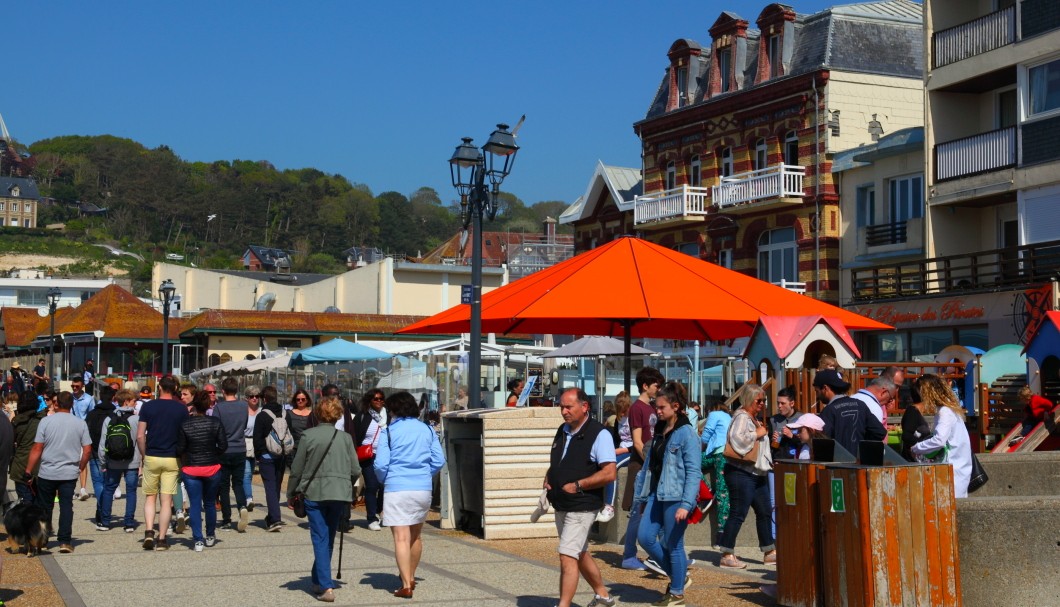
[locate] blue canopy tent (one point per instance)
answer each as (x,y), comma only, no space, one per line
(336,351)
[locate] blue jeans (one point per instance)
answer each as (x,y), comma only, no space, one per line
(373,492)
(629,549)
(202,493)
(323,523)
(24,492)
(772,505)
(111,479)
(46,492)
(248,477)
(669,549)
(271,469)
(747,491)
(96,473)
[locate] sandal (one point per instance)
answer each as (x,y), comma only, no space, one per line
(729,561)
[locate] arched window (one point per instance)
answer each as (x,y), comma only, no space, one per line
(725,162)
(791,148)
(214,360)
(695,172)
(761,157)
(778,256)
(671,175)
(226,358)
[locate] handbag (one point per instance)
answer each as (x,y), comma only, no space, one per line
(297,500)
(366,451)
(978,477)
(750,457)
(704,501)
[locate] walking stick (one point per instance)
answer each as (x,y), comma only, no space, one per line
(338,574)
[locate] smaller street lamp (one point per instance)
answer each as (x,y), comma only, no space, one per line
(53,302)
(165,293)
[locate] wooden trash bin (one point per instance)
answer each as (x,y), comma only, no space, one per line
(888,536)
(798,536)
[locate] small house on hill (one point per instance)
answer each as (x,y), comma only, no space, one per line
(265,259)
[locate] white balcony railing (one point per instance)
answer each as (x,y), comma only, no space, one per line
(974,37)
(777,181)
(797,287)
(976,154)
(683,201)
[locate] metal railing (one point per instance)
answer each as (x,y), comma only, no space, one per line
(681,201)
(975,37)
(796,287)
(777,181)
(1010,268)
(980,153)
(886,234)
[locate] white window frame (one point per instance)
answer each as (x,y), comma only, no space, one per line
(791,137)
(27,208)
(725,162)
(773,251)
(773,55)
(725,258)
(725,69)
(695,171)
(2,205)
(1024,83)
(671,175)
(761,155)
(682,86)
(902,210)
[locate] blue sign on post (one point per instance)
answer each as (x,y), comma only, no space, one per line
(465,294)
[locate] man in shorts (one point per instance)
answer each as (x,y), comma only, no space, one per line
(156,437)
(582,464)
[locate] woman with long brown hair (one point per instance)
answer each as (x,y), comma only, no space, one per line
(950,434)
(298,417)
(367,425)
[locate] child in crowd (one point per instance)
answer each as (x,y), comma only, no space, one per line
(807,427)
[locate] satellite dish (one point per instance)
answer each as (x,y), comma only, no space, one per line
(43,311)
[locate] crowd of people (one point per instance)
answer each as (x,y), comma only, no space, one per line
(192,449)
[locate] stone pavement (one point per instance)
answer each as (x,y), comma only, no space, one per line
(259,568)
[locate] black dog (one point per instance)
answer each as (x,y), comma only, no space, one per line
(26,529)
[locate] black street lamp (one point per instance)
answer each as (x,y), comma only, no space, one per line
(53,302)
(470,168)
(165,293)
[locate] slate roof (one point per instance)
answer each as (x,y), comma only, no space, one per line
(27,187)
(295,278)
(884,38)
(303,323)
(624,183)
(369,254)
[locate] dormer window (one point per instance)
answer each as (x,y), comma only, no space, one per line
(15,191)
(725,69)
(773,54)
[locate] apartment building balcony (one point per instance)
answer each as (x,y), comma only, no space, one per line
(683,204)
(980,153)
(907,235)
(974,37)
(776,186)
(992,270)
(795,287)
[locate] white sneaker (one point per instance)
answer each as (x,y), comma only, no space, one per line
(84,494)
(375,526)
(244,518)
(199,546)
(117,494)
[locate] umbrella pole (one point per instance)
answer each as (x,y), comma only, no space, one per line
(627,326)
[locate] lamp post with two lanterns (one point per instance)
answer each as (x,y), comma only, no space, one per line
(165,293)
(470,168)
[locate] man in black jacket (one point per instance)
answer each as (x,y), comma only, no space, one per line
(95,419)
(846,420)
(582,464)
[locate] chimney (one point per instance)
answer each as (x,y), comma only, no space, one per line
(550,230)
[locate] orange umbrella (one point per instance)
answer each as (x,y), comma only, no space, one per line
(632,288)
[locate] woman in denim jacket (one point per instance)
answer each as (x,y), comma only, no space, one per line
(667,487)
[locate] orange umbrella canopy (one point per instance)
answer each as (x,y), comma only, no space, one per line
(656,292)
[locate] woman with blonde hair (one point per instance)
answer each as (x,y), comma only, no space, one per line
(747,467)
(623,443)
(324,470)
(950,434)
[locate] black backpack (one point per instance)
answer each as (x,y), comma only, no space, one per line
(118,443)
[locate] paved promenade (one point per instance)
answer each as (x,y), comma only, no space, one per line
(260,568)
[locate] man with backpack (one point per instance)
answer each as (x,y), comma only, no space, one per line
(95,418)
(273,442)
(119,458)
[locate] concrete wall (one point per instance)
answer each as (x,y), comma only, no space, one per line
(897,102)
(1009,532)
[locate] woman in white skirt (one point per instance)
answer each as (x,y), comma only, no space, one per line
(407,457)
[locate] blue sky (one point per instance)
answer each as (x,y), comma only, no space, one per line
(378,92)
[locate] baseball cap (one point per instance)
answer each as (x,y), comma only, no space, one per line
(808,420)
(831,378)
